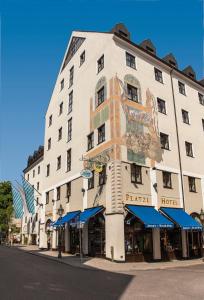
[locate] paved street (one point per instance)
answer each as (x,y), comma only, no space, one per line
(26,276)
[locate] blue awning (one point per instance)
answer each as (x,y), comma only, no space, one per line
(149,216)
(89,213)
(67,218)
(181,218)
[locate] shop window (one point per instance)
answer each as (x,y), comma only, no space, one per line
(68,191)
(71,76)
(189,149)
(158,75)
(82,58)
(132,93)
(192,184)
(69,160)
(164,140)
(161,106)
(91,182)
(130,60)
(100,63)
(167,180)
(102,176)
(185,116)
(59,162)
(58,192)
(201,98)
(47,197)
(101,134)
(70,102)
(181,88)
(136,174)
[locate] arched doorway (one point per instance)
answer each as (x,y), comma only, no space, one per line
(195,239)
(96,235)
(48,230)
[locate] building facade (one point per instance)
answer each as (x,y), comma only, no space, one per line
(33,176)
(137,122)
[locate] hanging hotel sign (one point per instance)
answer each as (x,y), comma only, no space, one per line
(164,201)
(138,199)
(86,173)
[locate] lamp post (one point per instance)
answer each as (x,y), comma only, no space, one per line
(60,213)
(202,221)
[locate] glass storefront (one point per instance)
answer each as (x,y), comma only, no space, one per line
(96,236)
(138,240)
(171,244)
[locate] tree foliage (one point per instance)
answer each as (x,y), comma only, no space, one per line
(6,208)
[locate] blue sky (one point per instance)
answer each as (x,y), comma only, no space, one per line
(34,35)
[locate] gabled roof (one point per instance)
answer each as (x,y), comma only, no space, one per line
(76,42)
(171,60)
(190,72)
(148,46)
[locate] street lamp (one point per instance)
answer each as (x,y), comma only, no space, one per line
(202,221)
(60,213)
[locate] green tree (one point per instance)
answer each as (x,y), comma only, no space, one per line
(6,208)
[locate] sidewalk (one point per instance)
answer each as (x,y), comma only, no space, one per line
(106,265)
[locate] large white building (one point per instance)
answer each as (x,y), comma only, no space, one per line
(118,103)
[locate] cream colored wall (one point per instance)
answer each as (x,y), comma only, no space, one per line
(138,194)
(169,197)
(76,198)
(49,206)
(97,195)
(193,200)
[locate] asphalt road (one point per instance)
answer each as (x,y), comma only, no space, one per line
(26,276)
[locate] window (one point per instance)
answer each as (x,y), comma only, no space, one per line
(59,162)
(189,149)
(167,180)
(91,181)
(201,98)
(136,174)
(192,184)
(101,134)
(58,193)
(102,176)
(100,96)
(203,124)
(185,116)
(100,63)
(38,185)
(49,144)
(37,201)
(69,160)
(164,140)
(60,134)
(70,102)
(61,108)
(132,93)
(181,88)
(38,169)
(82,58)
(158,75)
(130,60)
(161,106)
(71,76)
(33,173)
(68,190)
(90,141)
(28,177)
(62,84)
(48,170)
(47,197)
(50,120)
(69,136)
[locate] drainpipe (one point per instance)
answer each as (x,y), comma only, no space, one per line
(178,142)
